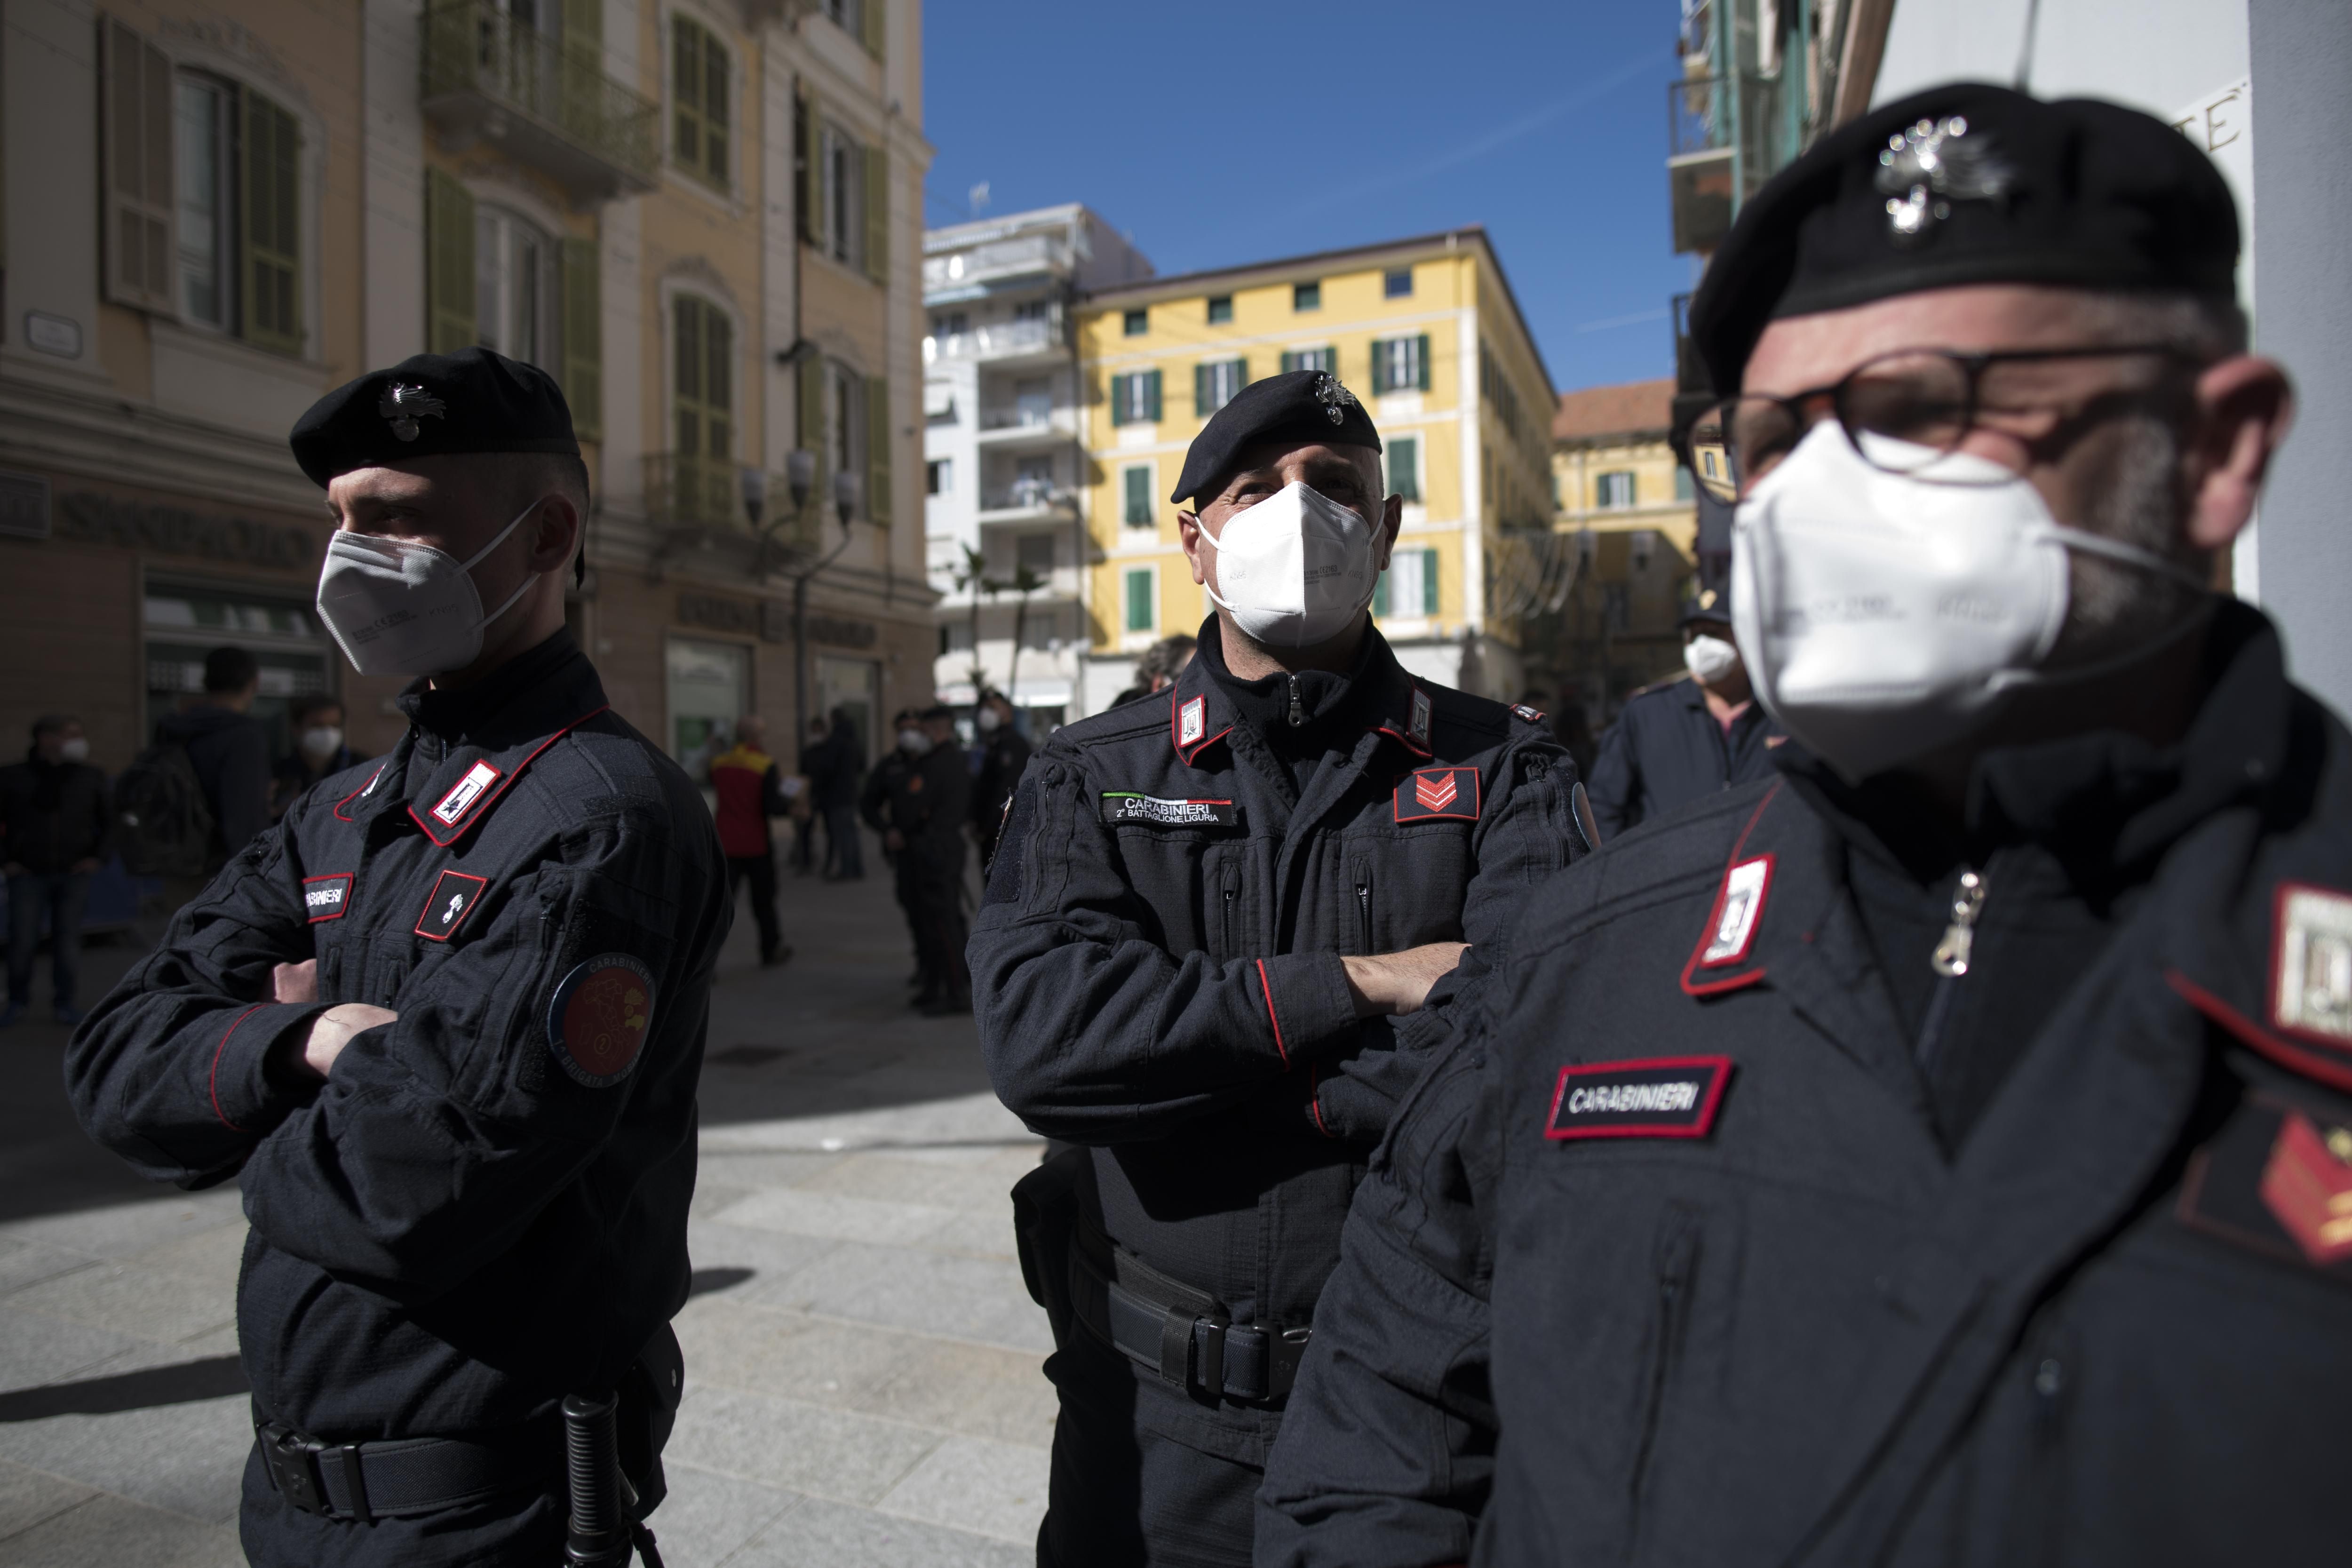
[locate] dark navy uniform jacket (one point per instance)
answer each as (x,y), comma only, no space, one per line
(1682,1216)
(1156,966)
(484,1206)
(1666,749)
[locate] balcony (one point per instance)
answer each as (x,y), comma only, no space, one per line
(487,77)
(969,269)
(696,503)
(1003,427)
(1006,341)
(1719,129)
(1023,501)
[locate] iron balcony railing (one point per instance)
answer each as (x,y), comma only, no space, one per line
(1702,116)
(996,341)
(996,259)
(1021,495)
(547,104)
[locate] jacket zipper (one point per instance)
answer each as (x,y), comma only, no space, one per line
(1231,894)
(1951,955)
(1677,1250)
(1298,707)
(1364,909)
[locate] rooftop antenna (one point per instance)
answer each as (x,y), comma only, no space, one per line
(979,198)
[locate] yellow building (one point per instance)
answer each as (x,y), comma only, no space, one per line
(1426,333)
(703,218)
(1625,506)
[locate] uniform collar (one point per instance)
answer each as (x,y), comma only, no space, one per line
(1201,708)
(536,691)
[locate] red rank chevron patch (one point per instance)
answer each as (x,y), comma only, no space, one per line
(1438,794)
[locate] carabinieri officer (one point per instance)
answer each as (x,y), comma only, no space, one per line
(1203,953)
(443,1024)
(1938,1154)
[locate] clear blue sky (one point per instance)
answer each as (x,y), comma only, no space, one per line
(1216,132)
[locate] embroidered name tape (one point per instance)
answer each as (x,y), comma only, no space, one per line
(1432,794)
(1667,1096)
(1118,805)
(2311,964)
(465,793)
(453,897)
(327,898)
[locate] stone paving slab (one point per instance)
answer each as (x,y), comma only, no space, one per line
(863,1363)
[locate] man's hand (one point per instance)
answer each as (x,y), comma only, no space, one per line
(296,982)
(334,1028)
(1399,983)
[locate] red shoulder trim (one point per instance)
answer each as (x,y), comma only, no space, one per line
(1694,986)
(481,808)
(342,815)
(2294,1058)
(212,1078)
(1265,989)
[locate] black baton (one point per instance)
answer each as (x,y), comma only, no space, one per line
(599,1534)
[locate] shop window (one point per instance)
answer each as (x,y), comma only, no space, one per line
(701,89)
(183,624)
(710,687)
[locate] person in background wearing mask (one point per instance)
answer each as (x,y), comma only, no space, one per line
(928,836)
(1937,1153)
(55,823)
(750,787)
(889,790)
(443,1024)
(319,751)
(1686,739)
(1004,754)
(229,750)
(835,767)
(1214,950)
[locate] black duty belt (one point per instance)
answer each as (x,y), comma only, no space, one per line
(365,1481)
(1184,1335)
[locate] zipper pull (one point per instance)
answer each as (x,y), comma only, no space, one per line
(1951,956)
(1297,707)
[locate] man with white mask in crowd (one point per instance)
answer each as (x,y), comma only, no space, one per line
(1940,1152)
(1686,738)
(443,1023)
(1214,948)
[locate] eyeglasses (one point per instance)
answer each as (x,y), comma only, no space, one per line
(1901,411)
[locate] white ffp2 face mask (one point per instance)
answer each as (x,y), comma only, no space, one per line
(398,608)
(1710,659)
(1295,568)
(1886,614)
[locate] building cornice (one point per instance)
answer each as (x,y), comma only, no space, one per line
(62,427)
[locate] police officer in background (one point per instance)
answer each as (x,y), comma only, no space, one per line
(1207,951)
(1004,754)
(1935,1153)
(442,1024)
(918,800)
(1688,737)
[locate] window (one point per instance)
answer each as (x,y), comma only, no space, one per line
(208,260)
(1307,296)
(1404,466)
(699,94)
(861,19)
(949,323)
(1140,616)
(1408,589)
(1034,311)
(1135,398)
(1401,365)
(1221,309)
(1136,482)
(939,475)
(1217,383)
(1613,491)
(273,144)
(1312,359)
(702,409)
(844,420)
(1034,552)
(1033,482)
(1136,322)
(514,287)
(843,161)
(1396,283)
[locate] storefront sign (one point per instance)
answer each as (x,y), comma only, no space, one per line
(175,531)
(24,506)
(842,632)
(719,613)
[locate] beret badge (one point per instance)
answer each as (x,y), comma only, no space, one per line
(405,404)
(1335,398)
(1924,164)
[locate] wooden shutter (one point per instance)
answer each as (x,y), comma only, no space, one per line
(269,201)
(812,429)
(804,168)
(141,242)
(448,265)
(1201,408)
(1139,496)
(686,91)
(1420,362)
(877,448)
(1139,601)
(1404,466)
(876,15)
(583,337)
(584,30)
(1429,583)
(1291,361)
(1151,396)
(1118,400)
(1380,364)
(877,211)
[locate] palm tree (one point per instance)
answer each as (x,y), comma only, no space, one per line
(970,577)
(1024,583)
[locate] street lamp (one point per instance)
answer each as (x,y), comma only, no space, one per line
(754,483)
(800,472)
(800,476)
(844,498)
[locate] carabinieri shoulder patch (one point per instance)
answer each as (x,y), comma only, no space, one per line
(597,1020)
(1125,805)
(2311,964)
(465,793)
(1438,794)
(1663,1097)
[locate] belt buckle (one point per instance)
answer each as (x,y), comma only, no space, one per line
(1285,1348)
(292,1459)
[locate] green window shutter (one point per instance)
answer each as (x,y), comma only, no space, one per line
(1404,466)
(876,15)
(448,265)
(140,239)
(1380,364)
(1420,362)
(1139,601)
(1151,396)
(1118,400)
(1201,408)
(805,166)
(269,197)
(1429,581)
(877,449)
(1291,361)
(715,120)
(878,209)
(1139,497)
(584,30)
(1241,376)
(1381,597)
(811,419)
(686,91)
(584,350)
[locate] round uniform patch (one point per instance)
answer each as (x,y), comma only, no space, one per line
(597,1022)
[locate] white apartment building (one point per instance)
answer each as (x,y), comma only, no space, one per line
(1003,449)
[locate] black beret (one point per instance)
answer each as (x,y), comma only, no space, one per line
(1708,604)
(471,401)
(1969,183)
(1298,406)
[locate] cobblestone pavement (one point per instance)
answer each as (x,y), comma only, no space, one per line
(862,1381)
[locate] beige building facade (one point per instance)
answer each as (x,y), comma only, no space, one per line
(704,219)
